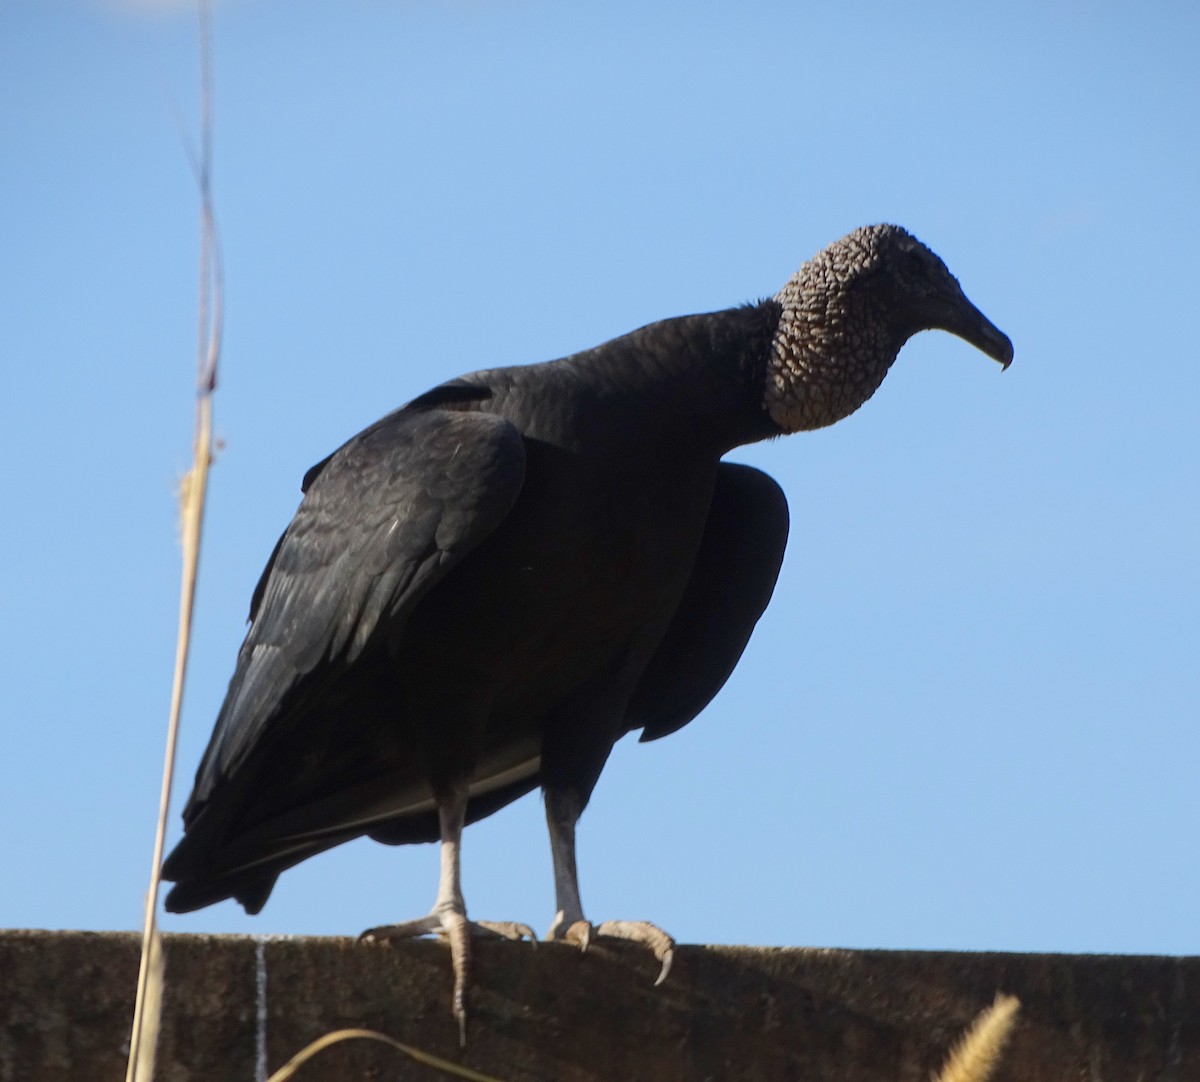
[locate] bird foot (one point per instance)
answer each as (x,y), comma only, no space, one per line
(433,925)
(649,935)
(506,929)
(638,931)
(578,932)
(454,927)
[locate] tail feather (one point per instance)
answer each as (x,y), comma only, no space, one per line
(205,873)
(250,893)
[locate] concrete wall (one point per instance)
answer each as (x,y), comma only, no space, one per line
(552,1014)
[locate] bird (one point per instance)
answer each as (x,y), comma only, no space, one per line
(486,589)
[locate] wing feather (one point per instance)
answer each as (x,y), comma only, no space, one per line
(387,516)
(731,583)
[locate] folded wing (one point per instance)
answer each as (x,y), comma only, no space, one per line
(731,583)
(383,519)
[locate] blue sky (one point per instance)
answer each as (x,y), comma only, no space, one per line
(969,719)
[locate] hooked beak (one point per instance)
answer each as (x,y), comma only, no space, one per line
(960,317)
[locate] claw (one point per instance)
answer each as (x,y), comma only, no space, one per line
(580,933)
(409,929)
(667,959)
(650,935)
(457,930)
(508,929)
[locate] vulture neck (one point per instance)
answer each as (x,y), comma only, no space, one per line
(695,382)
(830,352)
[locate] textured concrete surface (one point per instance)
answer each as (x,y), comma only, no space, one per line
(553,1014)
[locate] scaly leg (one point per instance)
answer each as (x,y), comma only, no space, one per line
(569,922)
(449,914)
(570,925)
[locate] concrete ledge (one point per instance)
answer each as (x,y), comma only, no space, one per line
(551,1014)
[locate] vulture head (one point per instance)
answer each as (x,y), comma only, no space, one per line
(846,314)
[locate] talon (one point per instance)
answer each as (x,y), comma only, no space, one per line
(460,1012)
(507,929)
(410,929)
(579,933)
(457,930)
(650,935)
(667,959)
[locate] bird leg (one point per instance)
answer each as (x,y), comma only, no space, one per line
(570,925)
(448,917)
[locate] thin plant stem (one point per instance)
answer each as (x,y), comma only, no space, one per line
(148,1002)
(288,1070)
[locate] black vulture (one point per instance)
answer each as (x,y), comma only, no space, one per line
(483,591)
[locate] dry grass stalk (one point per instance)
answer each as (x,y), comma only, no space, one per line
(289,1069)
(148,1004)
(147,1046)
(978,1053)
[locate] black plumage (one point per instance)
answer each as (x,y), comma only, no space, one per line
(483,591)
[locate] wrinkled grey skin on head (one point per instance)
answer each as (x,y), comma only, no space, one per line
(846,314)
